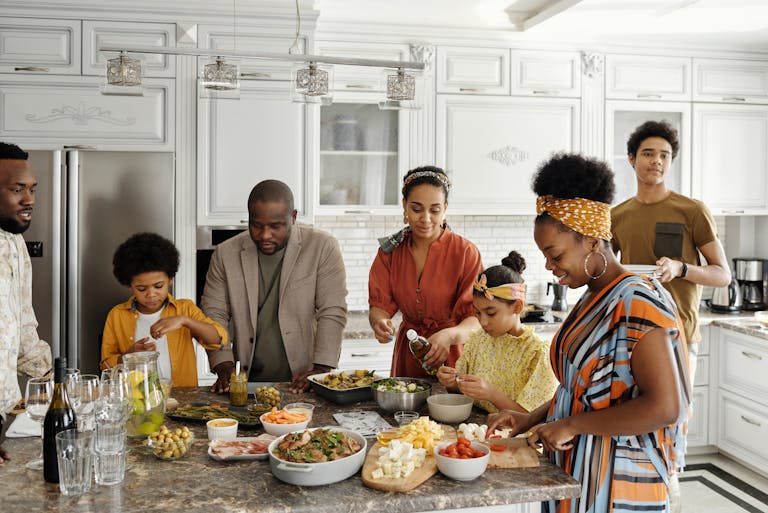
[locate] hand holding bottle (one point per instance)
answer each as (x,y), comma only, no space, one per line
(440,343)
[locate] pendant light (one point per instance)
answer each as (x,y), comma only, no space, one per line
(123,76)
(220,79)
(400,90)
(312,83)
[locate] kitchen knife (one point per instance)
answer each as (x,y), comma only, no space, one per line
(515,441)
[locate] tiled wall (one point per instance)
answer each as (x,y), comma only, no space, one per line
(495,237)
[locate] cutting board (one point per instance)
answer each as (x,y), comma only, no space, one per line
(412,480)
(519,455)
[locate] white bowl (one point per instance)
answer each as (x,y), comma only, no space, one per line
(282,429)
(222,429)
(462,469)
(449,408)
(305,408)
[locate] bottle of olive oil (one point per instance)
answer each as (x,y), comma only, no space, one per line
(419,347)
(59,417)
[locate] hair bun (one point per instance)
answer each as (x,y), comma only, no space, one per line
(514,261)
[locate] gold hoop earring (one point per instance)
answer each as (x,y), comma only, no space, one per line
(405,218)
(586,262)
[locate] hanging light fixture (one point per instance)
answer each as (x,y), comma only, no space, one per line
(312,83)
(400,89)
(220,79)
(123,76)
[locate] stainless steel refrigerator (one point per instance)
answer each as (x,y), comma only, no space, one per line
(87,203)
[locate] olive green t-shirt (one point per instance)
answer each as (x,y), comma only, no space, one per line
(674,227)
(270,362)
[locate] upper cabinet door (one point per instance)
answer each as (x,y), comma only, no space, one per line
(730,81)
(730,157)
(29,45)
(634,77)
(546,73)
(97,33)
(492,146)
(361,78)
(473,70)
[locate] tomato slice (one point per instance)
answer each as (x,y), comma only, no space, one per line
(497,448)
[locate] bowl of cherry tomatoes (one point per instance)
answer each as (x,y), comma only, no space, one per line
(463,459)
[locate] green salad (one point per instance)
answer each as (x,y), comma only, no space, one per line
(398,385)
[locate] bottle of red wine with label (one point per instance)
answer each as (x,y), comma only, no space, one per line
(59,417)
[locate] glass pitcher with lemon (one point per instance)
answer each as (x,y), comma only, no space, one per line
(148,409)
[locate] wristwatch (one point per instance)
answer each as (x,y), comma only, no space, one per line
(684,271)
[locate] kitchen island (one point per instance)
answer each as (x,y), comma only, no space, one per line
(196,483)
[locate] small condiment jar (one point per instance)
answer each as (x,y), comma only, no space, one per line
(238,389)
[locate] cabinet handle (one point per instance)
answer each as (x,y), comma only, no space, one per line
(244,221)
(734,99)
(358,211)
(545,92)
(732,211)
(750,421)
(362,354)
(255,74)
(31,68)
(471,89)
(358,86)
(753,356)
(78,147)
(656,96)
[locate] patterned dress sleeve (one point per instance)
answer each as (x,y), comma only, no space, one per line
(541,383)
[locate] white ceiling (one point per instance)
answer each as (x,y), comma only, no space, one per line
(717,24)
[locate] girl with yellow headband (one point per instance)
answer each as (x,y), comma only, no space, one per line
(505,366)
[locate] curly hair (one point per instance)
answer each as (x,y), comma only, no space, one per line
(510,271)
(421,180)
(11,151)
(143,253)
(663,129)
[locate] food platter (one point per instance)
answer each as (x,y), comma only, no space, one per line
(200,413)
(241,457)
(339,396)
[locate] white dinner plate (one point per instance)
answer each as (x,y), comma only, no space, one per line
(241,457)
(646,269)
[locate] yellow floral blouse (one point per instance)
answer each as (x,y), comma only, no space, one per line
(518,366)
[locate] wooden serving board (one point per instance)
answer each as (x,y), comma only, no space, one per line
(412,480)
(519,455)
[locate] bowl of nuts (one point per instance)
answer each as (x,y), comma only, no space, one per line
(170,444)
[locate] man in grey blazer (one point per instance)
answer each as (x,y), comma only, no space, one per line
(281,290)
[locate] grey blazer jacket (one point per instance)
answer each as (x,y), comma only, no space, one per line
(312,307)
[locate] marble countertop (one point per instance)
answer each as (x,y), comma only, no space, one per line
(196,483)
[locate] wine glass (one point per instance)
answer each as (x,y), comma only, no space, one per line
(71,381)
(37,399)
(88,394)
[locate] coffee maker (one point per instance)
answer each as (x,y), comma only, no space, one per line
(559,304)
(749,273)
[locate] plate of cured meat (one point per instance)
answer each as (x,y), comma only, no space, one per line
(242,448)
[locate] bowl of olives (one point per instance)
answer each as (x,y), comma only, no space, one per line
(170,444)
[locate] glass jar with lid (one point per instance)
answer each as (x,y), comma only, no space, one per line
(148,409)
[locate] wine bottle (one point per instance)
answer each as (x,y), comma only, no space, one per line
(419,347)
(59,417)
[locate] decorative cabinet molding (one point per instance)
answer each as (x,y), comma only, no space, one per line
(635,77)
(242,142)
(491,147)
(97,33)
(730,81)
(61,110)
(731,157)
(473,70)
(546,73)
(363,78)
(40,46)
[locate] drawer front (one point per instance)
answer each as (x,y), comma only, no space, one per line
(39,46)
(546,73)
(730,81)
(473,70)
(698,432)
(702,371)
(744,365)
(743,429)
(65,110)
(633,77)
(97,33)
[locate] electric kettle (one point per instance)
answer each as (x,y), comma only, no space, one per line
(727,299)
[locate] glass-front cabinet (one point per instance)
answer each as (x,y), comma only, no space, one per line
(361,157)
(622,117)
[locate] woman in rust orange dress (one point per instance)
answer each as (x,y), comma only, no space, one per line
(426,272)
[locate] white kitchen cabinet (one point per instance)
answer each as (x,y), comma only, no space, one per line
(97,33)
(241,142)
(743,429)
(366,354)
(42,46)
(55,110)
(492,146)
(473,70)
(730,81)
(639,77)
(542,73)
(743,365)
(730,157)
(699,434)
(622,117)
(361,78)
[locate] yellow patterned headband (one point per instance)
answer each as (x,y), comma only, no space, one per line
(587,217)
(510,291)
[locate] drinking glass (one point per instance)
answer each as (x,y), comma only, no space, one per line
(37,399)
(73,450)
(109,452)
(87,388)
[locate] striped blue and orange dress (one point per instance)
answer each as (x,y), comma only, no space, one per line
(591,355)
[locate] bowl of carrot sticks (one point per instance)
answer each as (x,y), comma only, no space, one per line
(279,422)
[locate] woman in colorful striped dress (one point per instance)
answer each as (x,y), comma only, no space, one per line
(617,420)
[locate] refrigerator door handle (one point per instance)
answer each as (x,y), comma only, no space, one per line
(73,306)
(56,260)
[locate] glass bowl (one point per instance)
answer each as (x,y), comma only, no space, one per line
(171,445)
